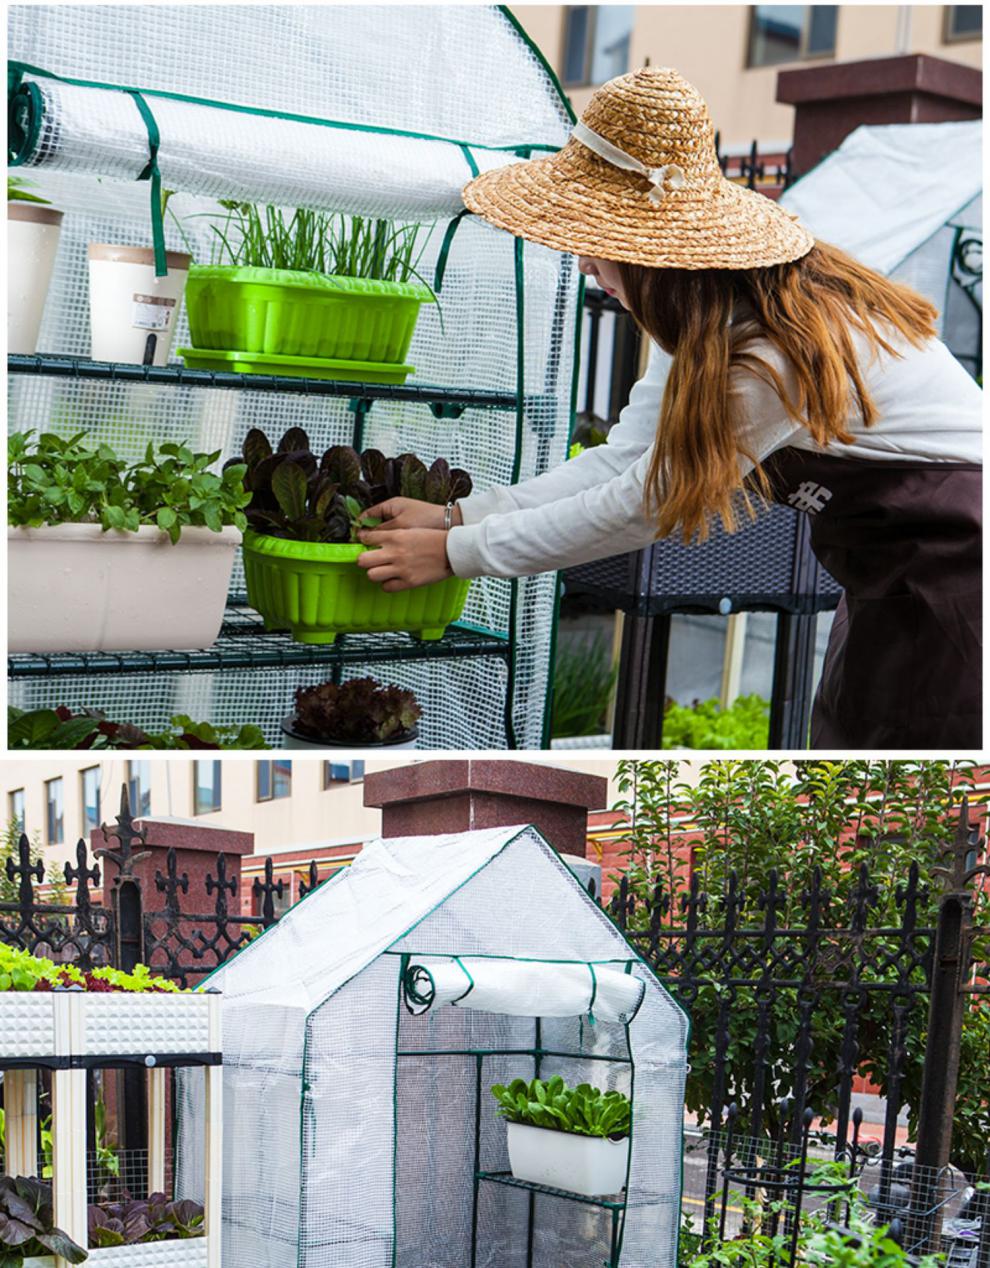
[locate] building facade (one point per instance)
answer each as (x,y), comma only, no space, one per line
(732,53)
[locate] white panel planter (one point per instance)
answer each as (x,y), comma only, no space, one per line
(27,1026)
(161,1024)
(71,1030)
(191,1253)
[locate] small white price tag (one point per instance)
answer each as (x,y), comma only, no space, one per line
(152,312)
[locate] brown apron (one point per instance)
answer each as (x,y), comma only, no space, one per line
(903,667)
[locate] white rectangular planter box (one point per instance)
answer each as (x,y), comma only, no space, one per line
(143,1024)
(580,1164)
(188,1253)
(27,1025)
(74,588)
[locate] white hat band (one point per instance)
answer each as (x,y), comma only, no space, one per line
(663,179)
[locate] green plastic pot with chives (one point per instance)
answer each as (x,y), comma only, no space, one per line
(301,552)
(341,292)
(317,591)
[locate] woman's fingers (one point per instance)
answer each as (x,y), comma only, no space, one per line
(373,537)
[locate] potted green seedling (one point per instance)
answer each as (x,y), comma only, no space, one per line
(575,1139)
(132,312)
(359,714)
(33,231)
(307,293)
(301,549)
(110,555)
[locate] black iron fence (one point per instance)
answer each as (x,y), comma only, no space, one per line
(784,1014)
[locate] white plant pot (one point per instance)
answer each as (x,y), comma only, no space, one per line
(292,739)
(131,311)
(580,1164)
(45,1261)
(33,232)
(74,588)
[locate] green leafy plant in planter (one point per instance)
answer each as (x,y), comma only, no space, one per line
(60,728)
(72,500)
(22,971)
(136,1221)
(63,480)
(581,1111)
(17,192)
(300,555)
(27,1224)
(308,292)
(360,713)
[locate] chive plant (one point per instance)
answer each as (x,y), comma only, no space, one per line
(320,242)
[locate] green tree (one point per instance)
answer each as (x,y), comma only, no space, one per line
(748,819)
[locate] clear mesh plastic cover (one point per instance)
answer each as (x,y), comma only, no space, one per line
(454,71)
(377,1160)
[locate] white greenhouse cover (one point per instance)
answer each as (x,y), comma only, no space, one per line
(520,989)
(335,1153)
(886,190)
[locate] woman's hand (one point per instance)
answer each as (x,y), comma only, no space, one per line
(409,513)
(405,558)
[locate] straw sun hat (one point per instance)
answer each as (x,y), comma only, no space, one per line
(639,181)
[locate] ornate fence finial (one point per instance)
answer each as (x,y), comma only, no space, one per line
(125,834)
(266,892)
(172,883)
(25,870)
(82,874)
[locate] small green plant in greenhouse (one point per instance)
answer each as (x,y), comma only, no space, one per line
(60,728)
(580,1111)
(17,192)
(359,711)
(64,480)
(330,243)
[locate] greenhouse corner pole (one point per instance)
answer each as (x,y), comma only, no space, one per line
(510,686)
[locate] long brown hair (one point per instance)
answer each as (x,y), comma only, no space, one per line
(807,309)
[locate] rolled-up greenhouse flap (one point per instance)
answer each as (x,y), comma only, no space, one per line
(523,988)
(225,150)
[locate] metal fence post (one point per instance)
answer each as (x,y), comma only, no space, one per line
(951,967)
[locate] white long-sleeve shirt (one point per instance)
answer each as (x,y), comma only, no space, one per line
(591,506)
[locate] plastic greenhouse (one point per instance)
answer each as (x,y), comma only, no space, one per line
(907,199)
(379,111)
(359,1129)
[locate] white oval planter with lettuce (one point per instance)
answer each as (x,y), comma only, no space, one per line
(33,232)
(133,313)
(75,588)
(590,1165)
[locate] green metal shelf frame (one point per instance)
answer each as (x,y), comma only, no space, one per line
(507,1178)
(245,644)
(443,400)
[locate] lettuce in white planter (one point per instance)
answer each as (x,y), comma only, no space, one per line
(575,1139)
(110,555)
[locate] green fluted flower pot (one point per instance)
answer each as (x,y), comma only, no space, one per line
(286,313)
(317,590)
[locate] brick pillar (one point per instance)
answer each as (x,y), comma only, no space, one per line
(196,848)
(454,796)
(832,101)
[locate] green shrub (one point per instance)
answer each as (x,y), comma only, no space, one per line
(583,681)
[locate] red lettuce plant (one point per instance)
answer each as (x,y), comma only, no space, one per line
(361,711)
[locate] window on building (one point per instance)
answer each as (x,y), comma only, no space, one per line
(207,791)
(596,42)
(139,788)
(274,780)
(963,22)
(54,812)
(791,32)
(336,773)
(15,808)
(90,780)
